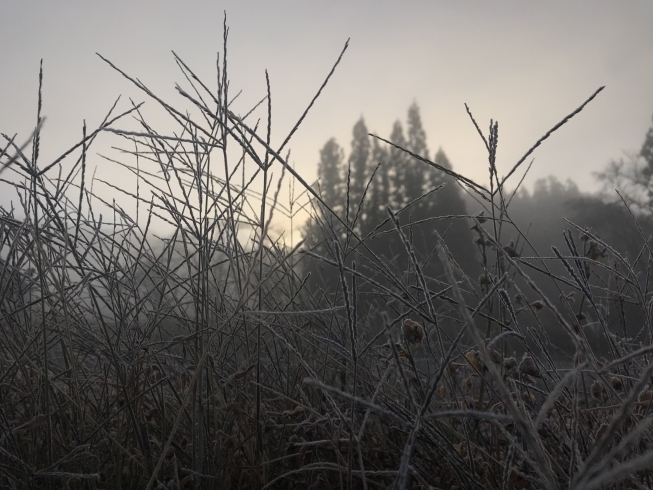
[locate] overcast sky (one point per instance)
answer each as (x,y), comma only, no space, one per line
(524,63)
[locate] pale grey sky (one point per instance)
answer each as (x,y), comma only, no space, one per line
(524,63)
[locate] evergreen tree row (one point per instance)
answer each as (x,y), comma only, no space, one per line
(375,176)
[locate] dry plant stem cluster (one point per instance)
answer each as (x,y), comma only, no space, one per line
(208,359)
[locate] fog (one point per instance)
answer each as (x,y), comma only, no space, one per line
(524,64)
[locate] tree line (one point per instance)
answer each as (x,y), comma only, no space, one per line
(360,187)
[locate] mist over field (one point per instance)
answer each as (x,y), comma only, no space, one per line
(326,245)
(520,63)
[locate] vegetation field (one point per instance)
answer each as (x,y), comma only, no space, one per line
(420,334)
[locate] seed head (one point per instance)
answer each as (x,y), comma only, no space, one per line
(467,384)
(528,367)
(570,297)
(598,390)
(400,349)
(596,254)
(453,368)
(474,360)
(510,249)
(645,396)
(600,432)
(537,305)
(510,364)
(494,355)
(413,332)
(616,382)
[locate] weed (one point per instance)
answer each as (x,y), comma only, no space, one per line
(209,359)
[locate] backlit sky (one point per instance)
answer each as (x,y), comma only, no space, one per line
(524,63)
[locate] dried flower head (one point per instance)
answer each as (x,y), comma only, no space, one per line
(597,254)
(400,349)
(600,432)
(616,382)
(645,396)
(570,297)
(453,368)
(528,367)
(537,305)
(461,449)
(494,355)
(598,391)
(510,249)
(474,359)
(467,384)
(413,332)
(294,413)
(510,365)
(483,280)
(442,391)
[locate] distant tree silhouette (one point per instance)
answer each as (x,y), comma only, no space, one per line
(399,180)
(646,151)
(359,161)
(329,174)
(380,188)
(631,176)
(449,201)
(414,170)
(322,228)
(397,160)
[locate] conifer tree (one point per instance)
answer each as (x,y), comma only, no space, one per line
(448,201)
(399,180)
(647,154)
(330,188)
(329,175)
(380,188)
(415,170)
(647,150)
(322,227)
(397,160)
(359,160)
